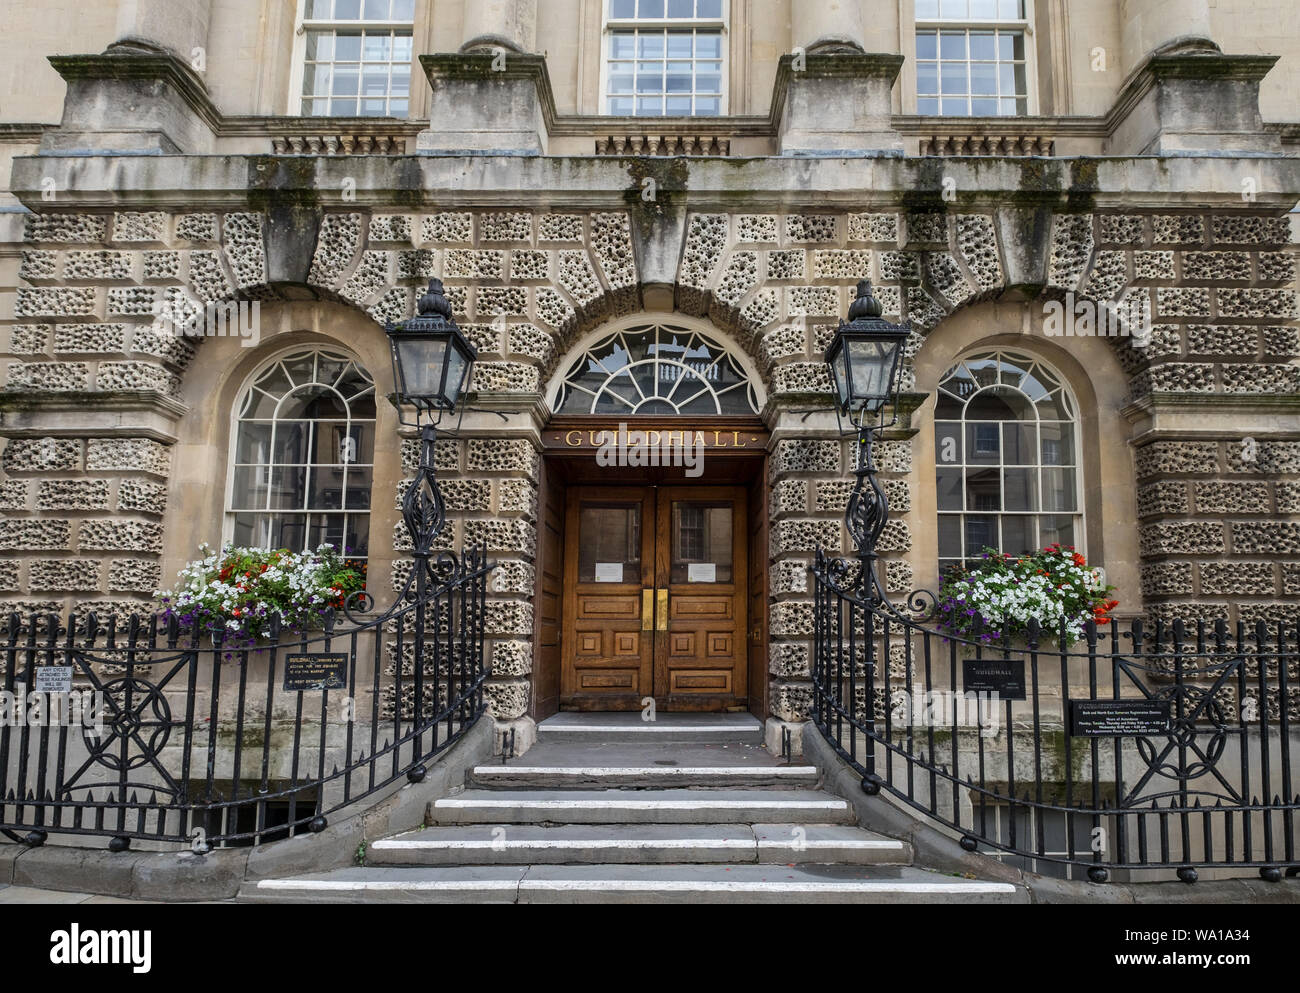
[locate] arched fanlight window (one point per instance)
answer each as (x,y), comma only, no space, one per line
(1007,458)
(303,455)
(656,369)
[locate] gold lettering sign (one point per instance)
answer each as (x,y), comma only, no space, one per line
(656,437)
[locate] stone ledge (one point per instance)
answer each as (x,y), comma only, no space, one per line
(833,183)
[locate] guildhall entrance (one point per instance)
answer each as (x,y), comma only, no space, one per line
(652,583)
(652,526)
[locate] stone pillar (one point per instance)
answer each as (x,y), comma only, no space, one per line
(179,26)
(1163,25)
(828,26)
(836,102)
(1182,93)
(145,92)
(493,96)
(509,24)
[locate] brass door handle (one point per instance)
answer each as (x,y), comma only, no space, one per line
(647,609)
(662,611)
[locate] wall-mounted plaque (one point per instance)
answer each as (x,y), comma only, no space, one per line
(307,671)
(1119,718)
(1003,677)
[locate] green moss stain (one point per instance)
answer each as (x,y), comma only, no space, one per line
(657,189)
(925,195)
(1084,184)
(281,179)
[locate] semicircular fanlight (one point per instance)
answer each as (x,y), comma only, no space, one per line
(656,369)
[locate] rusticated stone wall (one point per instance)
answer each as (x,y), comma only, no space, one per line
(1219,535)
(1216,488)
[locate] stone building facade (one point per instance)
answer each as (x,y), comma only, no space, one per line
(1163,186)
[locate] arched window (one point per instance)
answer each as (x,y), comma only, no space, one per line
(303,455)
(656,369)
(1007,458)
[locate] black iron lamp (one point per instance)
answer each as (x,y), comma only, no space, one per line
(432,360)
(864,355)
(864,359)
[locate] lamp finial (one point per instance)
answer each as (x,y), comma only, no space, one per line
(434,302)
(865,304)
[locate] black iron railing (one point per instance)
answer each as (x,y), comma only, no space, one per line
(1161,747)
(169,735)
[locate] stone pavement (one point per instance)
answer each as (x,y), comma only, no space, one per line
(29,894)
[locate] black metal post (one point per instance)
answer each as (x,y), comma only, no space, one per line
(866,514)
(425,515)
(422,507)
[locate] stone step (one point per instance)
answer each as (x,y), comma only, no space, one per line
(529,844)
(616,806)
(665,729)
(570,764)
(639,777)
(631,884)
(591,764)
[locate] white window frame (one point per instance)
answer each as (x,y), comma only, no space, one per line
(1012,354)
(302,25)
(227,512)
(1026,25)
(720,24)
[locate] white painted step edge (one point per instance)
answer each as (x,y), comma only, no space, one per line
(635,886)
(596,771)
(646,804)
(543,844)
(551,844)
(650,727)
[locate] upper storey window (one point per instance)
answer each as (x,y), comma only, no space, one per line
(665,58)
(356,57)
(971,57)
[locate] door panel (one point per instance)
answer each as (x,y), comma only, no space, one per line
(678,632)
(701,561)
(609,564)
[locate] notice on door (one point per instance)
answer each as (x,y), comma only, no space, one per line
(702,572)
(609,572)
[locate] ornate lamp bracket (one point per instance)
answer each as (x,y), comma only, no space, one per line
(423,509)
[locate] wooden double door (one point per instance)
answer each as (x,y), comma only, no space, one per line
(655,596)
